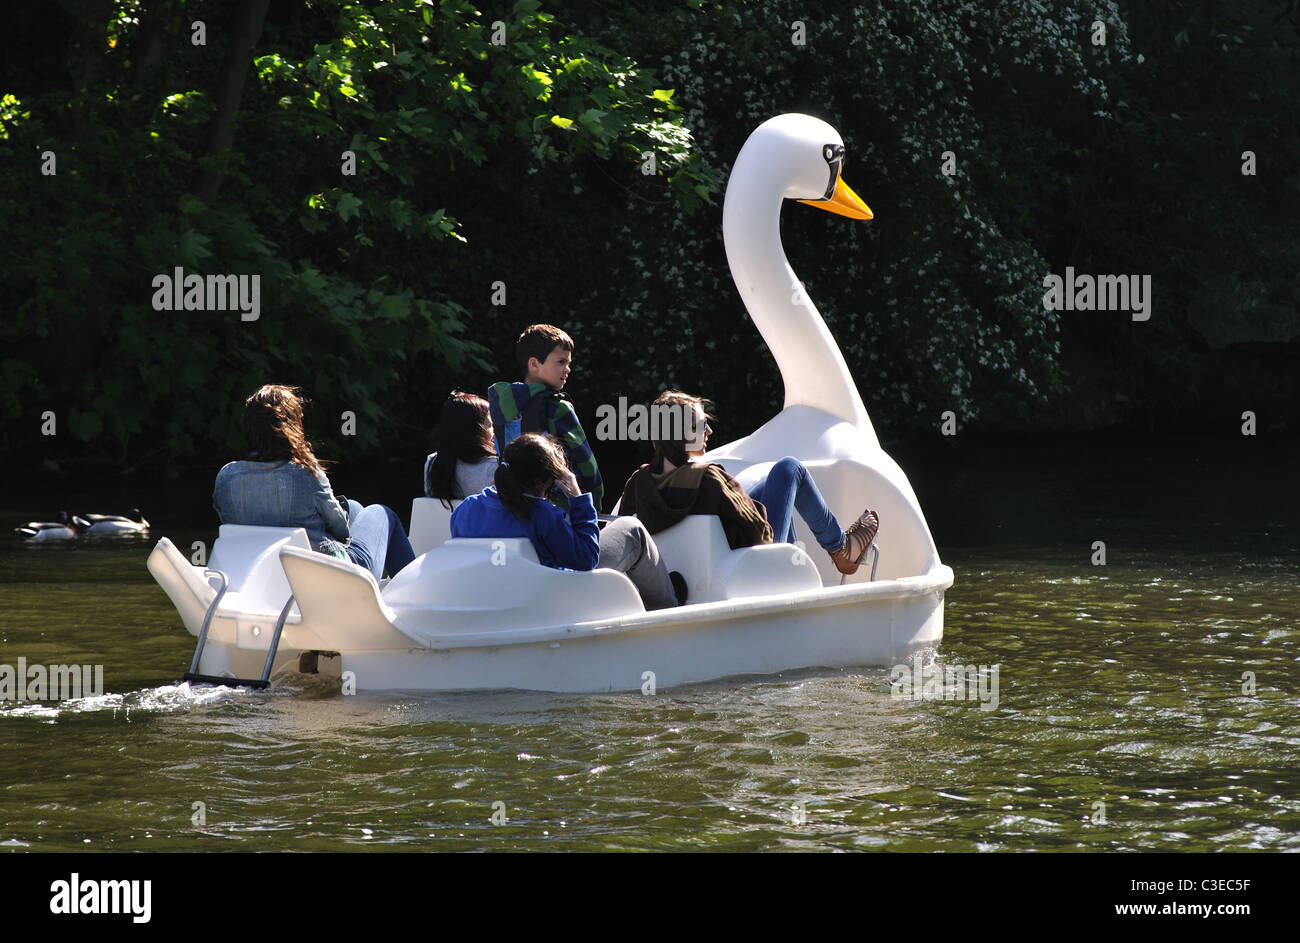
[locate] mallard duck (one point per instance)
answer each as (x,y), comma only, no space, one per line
(65,528)
(132,522)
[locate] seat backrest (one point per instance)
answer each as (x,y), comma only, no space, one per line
(342,609)
(496,583)
(765,570)
(695,547)
(183,582)
(250,558)
(430,523)
(501,548)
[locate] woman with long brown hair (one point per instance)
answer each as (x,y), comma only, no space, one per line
(281,483)
(677,483)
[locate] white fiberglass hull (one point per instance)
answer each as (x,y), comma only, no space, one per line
(878,624)
(440,645)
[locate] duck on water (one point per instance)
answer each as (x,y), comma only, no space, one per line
(69,526)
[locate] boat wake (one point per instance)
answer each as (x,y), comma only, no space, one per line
(162,699)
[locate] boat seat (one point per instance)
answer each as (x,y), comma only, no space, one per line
(471,584)
(502,548)
(183,583)
(697,548)
(341,605)
(430,523)
(250,558)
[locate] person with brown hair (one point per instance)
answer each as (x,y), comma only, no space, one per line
(673,485)
(282,484)
(466,460)
(519,506)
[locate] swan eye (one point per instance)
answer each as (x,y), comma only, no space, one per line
(834,154)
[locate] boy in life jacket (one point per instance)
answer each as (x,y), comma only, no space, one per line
(545,355)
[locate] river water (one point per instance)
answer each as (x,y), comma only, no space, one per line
(1148,703)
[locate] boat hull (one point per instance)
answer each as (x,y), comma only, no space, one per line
(662,653)
(880,624)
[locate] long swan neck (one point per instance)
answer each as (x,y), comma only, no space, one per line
(811,364)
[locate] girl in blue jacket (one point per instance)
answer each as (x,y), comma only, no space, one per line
(518,505)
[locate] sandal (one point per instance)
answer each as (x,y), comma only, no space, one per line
(857,540)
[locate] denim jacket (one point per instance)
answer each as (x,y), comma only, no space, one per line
(282,494)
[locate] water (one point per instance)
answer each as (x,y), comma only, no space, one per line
(1125,715)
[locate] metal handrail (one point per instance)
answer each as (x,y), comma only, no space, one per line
(265,680)
(275,640)
(874,549)
(207,616)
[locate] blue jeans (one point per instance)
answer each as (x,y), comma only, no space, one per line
(379,541)
(788,487)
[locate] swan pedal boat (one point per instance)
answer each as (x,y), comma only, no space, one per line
(485,614)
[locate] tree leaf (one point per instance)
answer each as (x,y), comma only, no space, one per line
(347,206)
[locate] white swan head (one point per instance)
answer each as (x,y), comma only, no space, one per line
(796,157)
(808,155)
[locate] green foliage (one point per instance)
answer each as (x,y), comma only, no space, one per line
(577,152)
(1162,191)
(937,303)
(356,303)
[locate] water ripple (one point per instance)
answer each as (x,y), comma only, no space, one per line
(1149,706)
